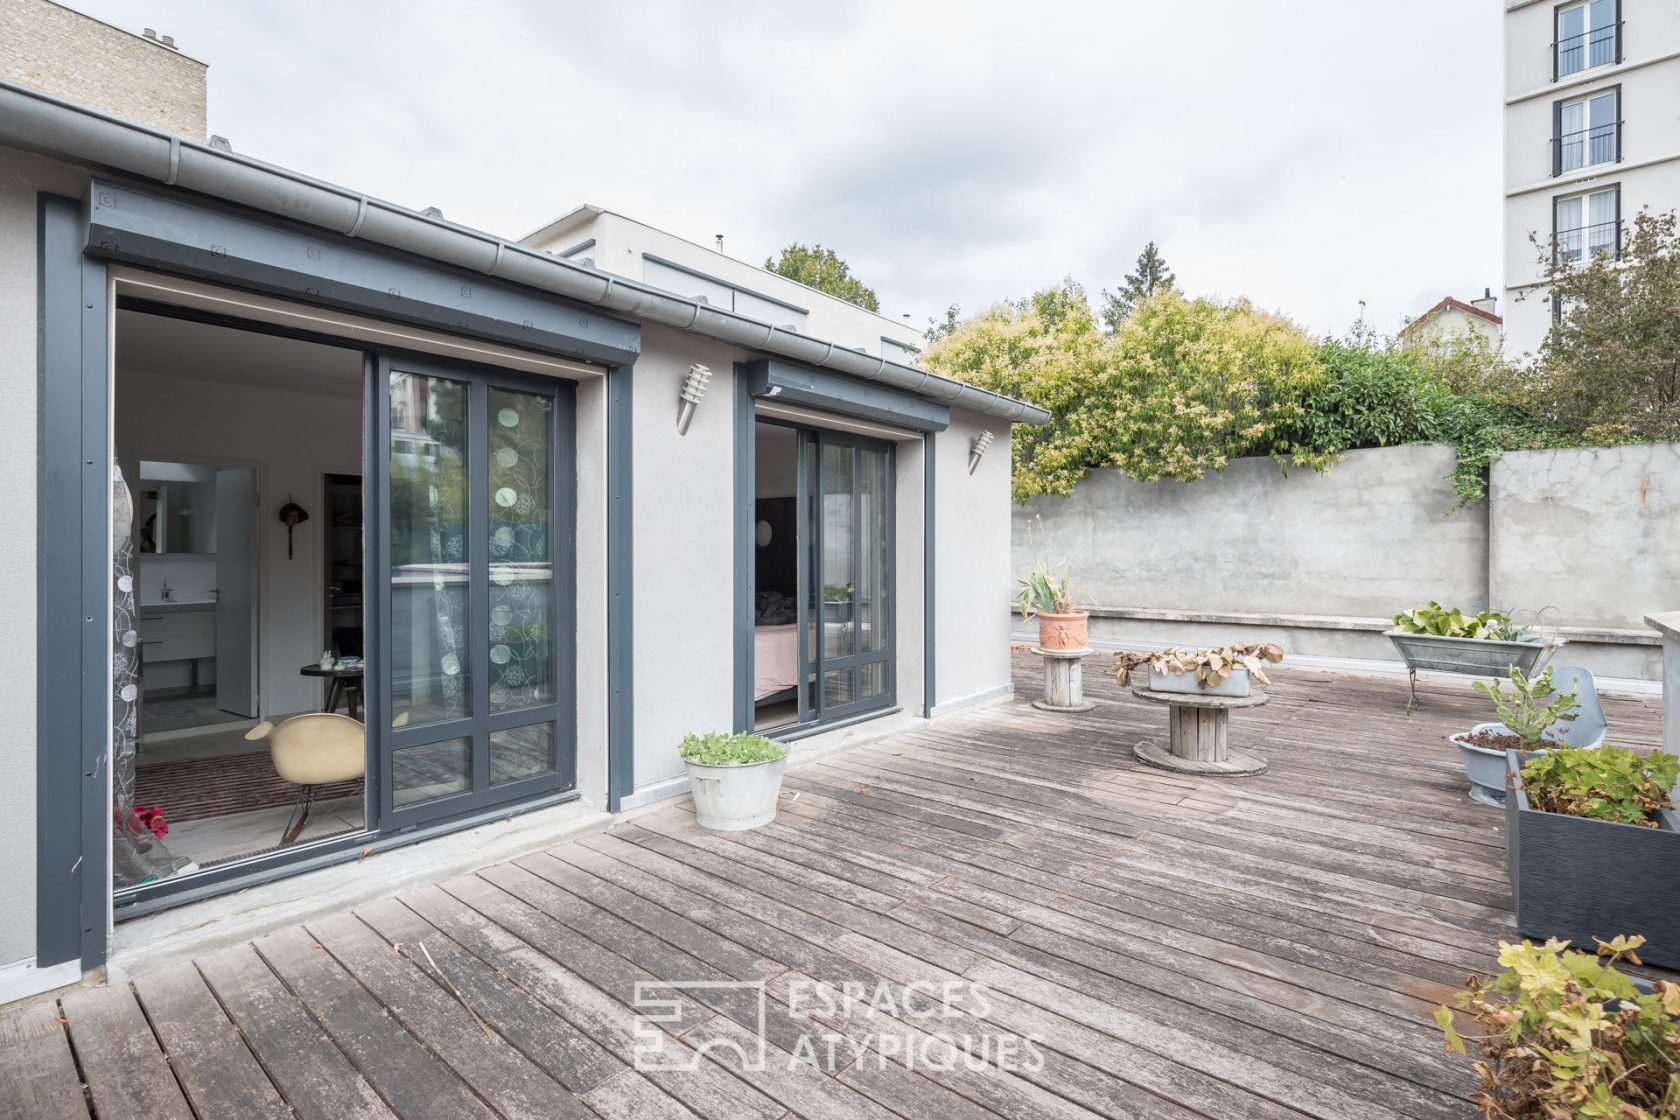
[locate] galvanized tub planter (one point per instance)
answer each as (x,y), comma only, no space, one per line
(1476,657)
(1579,878)
(736,798)
(1234,685)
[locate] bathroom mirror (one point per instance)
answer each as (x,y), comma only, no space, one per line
(175,508)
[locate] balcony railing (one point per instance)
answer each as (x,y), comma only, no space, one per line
(1598,47)
(1587,242)
(1587,147)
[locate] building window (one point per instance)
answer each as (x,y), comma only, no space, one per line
(1587,131)
(1588,35)
(1585,226)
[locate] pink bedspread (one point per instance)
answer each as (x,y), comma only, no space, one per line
(775,659)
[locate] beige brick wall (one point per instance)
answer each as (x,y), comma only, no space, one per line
(69,55)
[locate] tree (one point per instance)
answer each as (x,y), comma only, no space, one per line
(1150,276)
(1610,366)
(1180,388)
(823,270)
(939,328)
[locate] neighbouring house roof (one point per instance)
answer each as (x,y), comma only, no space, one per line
(38,122)
(1451,304)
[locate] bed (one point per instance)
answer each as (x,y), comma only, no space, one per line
(775,661)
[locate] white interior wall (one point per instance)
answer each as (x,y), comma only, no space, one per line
(292,439)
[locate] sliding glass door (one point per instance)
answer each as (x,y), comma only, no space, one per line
(475,561)
(846,600)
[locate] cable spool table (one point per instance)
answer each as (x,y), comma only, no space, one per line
(1196,734)
(1064,680)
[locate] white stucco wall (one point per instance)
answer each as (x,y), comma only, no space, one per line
(683,529)
(972,564)
(21,176)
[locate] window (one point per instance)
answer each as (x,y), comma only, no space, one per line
(1588,35)
(1587,131)
(1587,225)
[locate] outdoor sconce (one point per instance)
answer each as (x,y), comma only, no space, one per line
(977,449)
(693,388)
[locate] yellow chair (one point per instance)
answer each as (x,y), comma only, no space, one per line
(311,751)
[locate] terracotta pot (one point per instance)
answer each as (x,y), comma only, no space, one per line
(1062,631)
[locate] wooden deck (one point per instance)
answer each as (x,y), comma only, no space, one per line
(1164,946)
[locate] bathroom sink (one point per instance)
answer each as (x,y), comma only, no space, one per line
(179,605)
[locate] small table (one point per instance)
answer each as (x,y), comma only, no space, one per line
(1196,734)
(1064,680)
(341,683)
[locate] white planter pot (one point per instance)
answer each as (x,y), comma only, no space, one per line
(1234,685)
(736,798)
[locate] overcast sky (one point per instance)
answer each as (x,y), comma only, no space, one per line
(1306,153)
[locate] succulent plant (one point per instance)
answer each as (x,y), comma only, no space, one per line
(1210,665)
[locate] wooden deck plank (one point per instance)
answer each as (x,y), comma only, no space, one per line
(1177,946)
(127,1073)
(393,1061)
(313,1075)
(210,1058)
(38,1078)
(569,1055)
(498,1072)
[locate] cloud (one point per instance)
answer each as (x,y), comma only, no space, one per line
(1307,153)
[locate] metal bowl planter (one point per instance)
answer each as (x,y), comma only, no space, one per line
(1485,765)
(1234,685)
(1477,657)
(736,798)
(1578,878)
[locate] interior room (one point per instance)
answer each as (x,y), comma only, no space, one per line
(241,455)
(776,570)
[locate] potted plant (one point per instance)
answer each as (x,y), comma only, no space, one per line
(1563,1033)
(1045,593)
(735,779)
(1592,843)
(837,602)
(1213,671)
(1446,640)
(1534,714)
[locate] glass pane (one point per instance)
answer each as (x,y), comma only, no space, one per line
(839,619)
(1602,33)
(874,504)
(521,452)
(430,771)
(810,589)
(839,687)
(874,679)
(429,655)
(1571,139)
(1601,227)
(1571,44)
(521,752)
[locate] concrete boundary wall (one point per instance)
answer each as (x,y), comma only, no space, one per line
(1320,563)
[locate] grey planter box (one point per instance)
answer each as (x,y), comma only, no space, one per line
(1234,685)
(1478,657)
(1578,878)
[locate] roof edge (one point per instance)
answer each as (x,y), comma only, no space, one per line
(39,122)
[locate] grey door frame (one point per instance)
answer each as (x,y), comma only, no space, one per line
(72,874)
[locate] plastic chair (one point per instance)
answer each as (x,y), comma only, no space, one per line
(310,751)
(1588,727)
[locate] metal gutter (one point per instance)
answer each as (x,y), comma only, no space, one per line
(38,122)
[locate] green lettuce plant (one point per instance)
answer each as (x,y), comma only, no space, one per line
(714,748)
(1607,784)
(1450,622)
(1563,1035)
(1535,706)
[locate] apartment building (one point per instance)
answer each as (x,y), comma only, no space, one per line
(1592,134)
